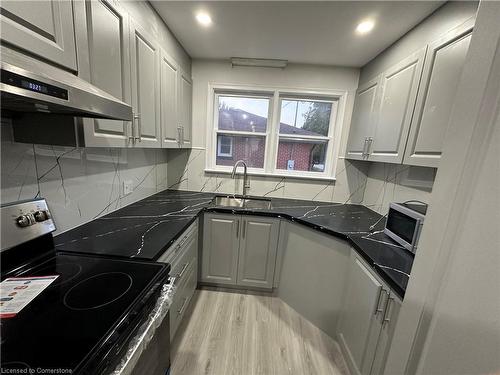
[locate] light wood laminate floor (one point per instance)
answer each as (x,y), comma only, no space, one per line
(245,333)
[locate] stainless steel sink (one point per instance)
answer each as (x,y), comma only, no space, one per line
(226,201)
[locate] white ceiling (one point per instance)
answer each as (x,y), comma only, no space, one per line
(312,32)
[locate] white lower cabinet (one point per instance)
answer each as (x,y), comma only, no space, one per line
(367,322)
(239,250)
(183,259)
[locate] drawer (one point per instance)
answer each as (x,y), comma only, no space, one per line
(181,265)
(179,245)
(182,298)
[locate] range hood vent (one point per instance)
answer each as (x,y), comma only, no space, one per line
(28,85)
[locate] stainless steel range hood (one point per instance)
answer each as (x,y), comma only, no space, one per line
(28,85)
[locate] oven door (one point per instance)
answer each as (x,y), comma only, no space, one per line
(148,351)
(155,358)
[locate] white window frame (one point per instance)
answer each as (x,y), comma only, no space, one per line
(219,145)
(276,95)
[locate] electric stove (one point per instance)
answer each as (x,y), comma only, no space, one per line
(84,320)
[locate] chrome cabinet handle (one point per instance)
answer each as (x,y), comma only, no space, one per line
(237,228)
(378,309)
(177,248)
(365,148)
(181,310)
(136,129)
(183,270)
(388,305)
(244,228)
(182,134)
(179,135)
(370,141)
(183,241)
(139,127)
(129,134)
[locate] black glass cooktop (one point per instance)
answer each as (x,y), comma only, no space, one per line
(78,314)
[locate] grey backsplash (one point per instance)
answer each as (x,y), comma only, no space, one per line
(81,184)
(372,184)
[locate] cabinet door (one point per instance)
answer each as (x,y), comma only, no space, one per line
(107,43)
(440,78)
(44,28)
(389,319)
(169,92)
(363,119)
(257,255)
(398,90)
(185,106)
(145,64)
(361,305)
(220,249)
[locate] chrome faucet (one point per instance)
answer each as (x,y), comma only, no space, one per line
(245,176)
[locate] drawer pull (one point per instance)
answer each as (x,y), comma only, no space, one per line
(183,241)
(180,274)
(378,309)
(177,248)
(388,310)
(181,310)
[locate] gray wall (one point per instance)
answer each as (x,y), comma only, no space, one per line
(78,183)
(186,168)
(388,183)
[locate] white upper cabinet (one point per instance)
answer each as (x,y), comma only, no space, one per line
(364,118)
(106,43)
(398,87)
(442,71)
(169,71)
(43,28)
(185,108)
(145,67)
(401,115)
(382,112)
(176,107)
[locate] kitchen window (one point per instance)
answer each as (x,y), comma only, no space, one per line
(303,135)
(275,132)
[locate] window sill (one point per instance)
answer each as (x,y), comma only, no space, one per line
(275,175)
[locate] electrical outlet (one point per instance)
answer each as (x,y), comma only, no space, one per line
(127,187)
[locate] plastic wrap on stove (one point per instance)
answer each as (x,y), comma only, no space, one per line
(146,332)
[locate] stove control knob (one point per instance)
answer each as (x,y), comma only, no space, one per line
(23,221)
(41,215)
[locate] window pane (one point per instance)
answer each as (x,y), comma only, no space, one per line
(300,155)
(248,148)
(305,117)
(225,146)
(243,114)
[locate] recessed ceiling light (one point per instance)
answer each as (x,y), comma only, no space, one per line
(203,19)
(365,27)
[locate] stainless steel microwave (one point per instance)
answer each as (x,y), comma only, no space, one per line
(404,224)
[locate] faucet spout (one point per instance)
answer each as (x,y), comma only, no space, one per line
(245,176)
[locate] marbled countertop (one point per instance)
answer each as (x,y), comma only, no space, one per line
(145,229)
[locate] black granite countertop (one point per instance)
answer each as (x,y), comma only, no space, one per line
(145,229)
